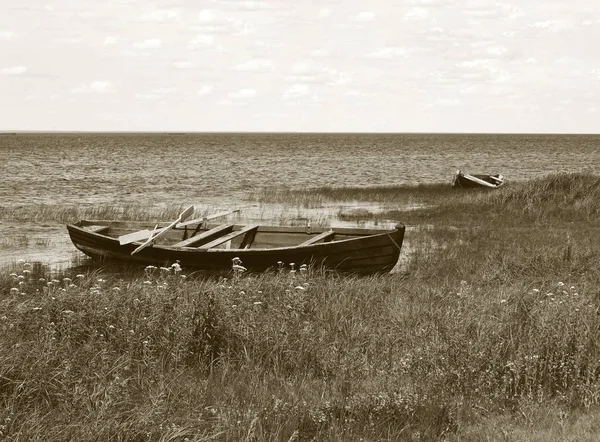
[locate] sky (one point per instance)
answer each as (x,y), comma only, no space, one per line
(475,66)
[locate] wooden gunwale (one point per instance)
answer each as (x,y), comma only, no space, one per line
(136,225)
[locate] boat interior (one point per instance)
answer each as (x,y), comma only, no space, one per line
(205,236)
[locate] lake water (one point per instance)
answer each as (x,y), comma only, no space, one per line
(219,169)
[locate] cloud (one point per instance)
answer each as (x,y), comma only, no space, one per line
(447,102)
(552,25)
(110,41)
(431,2)
(484,70)
(214,22)
(301,93)
(297,91)
(336,77)
(207,16)
(243,94)
(201,41)
(456,35)
(417,14)
(240,97)
(14,70)
(324,13)
(159,16)
(205,90)
(242,5)
(365,16)
(497,50)
(95,87)
(482,63)
(155,94)
(510,11)
(481,11)
(186,64)
(150,43)
(303,73)
(389,53)
(357,93)
(251,5)
(319,53)
(255,65)
(7,35)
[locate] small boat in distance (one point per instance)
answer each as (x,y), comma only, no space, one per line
(199,245)
(486,181)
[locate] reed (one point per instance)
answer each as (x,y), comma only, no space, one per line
(319,196)
(66,214)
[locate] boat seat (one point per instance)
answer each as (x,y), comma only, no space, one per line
(218,241)
(97,229)
(205,237)
(325,236)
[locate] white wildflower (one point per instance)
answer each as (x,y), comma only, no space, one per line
(239,268)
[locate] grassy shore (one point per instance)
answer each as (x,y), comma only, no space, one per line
(490,332)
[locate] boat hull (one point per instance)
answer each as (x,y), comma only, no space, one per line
(463,180)
(366,255)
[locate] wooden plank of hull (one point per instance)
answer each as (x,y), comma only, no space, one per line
(367,255)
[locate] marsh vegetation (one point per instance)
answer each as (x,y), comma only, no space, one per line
(490,331)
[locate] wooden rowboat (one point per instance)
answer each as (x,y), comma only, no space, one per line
(486,181)
(212,247)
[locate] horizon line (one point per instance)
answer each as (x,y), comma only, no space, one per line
(184,132)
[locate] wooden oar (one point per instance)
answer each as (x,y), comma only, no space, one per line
(142,235)
(153,237)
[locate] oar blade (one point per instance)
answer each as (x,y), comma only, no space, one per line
(135,236)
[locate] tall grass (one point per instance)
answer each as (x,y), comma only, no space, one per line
(490,332)
(557,198)
(567,196)
(284,354)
